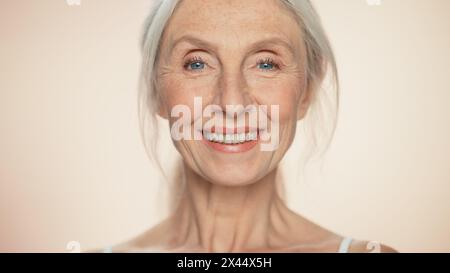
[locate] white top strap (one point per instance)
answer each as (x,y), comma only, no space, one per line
(107,249)
(345,245)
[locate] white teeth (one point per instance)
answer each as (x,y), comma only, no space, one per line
(250,136)
(230,138)
(242,138)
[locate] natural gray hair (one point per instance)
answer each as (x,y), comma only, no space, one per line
(320,121)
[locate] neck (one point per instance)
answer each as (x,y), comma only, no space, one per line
(218,218)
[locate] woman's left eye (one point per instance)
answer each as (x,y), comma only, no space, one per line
(197,66)
(267,64)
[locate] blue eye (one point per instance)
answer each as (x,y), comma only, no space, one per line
(195,63)
(197,66)
(267,64)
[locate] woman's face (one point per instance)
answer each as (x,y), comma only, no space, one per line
(235,53)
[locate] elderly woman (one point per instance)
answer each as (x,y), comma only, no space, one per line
(235,55)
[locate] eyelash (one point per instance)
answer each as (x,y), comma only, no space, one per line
(198,59)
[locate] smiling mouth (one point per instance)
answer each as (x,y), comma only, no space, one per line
(223,141)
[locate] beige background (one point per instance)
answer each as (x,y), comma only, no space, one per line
(72,166)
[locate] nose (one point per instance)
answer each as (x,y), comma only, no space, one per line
(233,92)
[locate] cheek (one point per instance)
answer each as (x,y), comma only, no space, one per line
(283,94)
(182,92)
(177,90)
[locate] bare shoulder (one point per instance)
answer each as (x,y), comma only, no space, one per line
(358,246)
(151,240)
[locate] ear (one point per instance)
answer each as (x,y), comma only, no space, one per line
(160,105)
(162,111)
(305,101)
(312,85)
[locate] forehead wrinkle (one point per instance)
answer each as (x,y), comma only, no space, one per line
(260,44)
(193,40)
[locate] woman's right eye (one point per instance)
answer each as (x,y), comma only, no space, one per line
(195,64)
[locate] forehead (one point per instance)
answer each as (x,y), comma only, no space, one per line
(237,21)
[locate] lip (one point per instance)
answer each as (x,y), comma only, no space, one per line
(232,148)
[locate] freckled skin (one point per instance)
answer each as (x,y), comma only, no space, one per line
(230,202)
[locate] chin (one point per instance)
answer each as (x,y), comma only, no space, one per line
(233,176)
(232,181)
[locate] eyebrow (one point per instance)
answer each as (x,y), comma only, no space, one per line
(258,45)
